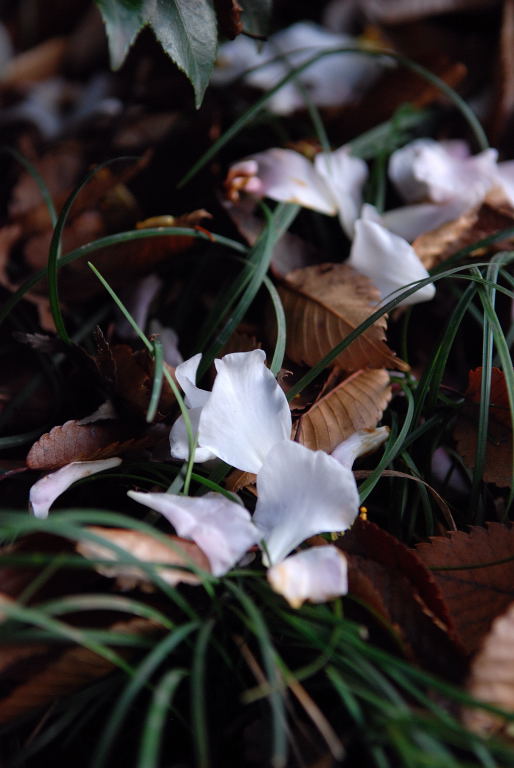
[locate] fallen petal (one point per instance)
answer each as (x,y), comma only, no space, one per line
(247,412)
(186,377)
(361,442)
(288,177)
(222,529)
(410,221)
(179,443)
(50,487)
(345,176)
(442,172)
(317,574)
(389,261)
(301,493)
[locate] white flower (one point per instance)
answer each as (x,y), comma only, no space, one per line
(221,528)
(241,419)
(315,575)
(333,80)
(331,185)
(45,491)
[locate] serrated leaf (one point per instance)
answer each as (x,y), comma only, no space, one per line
(186,29)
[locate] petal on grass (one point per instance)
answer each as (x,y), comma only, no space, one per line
(345,176)
(288,177)
(315,575)
(247,412)
(222,529)
(179,444)
(50,487)
(389,261)
(301,493)
(186,377)
(361,442)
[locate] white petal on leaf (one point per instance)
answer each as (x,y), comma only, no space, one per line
(222,529)
(289,177)
(315,575)
(186,377)
(345,176)
(301,493)
(247,412)
(179,444)
(389,261)
(50,487)
(361,442)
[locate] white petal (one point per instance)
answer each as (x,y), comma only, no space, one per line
(442,172)
(45,491)
(247,412)
(179,444)
(389,261)
(186,377)
(289,177)
(317,574)
(301,493)
(361,442)
(169,340)
(345,176)
(506,179)
(235,58)
(410,221)
(221,528)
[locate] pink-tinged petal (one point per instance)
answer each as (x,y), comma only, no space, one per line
(46,491)
(506,179)
(288,177)
(345,176)
(442,172)
(389,262)
(315,575)
(222,529)
(186,377)
(410,221)
(361,442)
(179,444)
(247,412)
(301,493)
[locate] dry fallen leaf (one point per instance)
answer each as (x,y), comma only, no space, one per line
(491,677)
(148,549)
(355,403)
(476,592)
(498,458)
(73,442)
(476,224)
(32,677)
(324,304)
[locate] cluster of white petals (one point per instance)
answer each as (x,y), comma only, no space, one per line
(331,81)
(333,185)
(317,574)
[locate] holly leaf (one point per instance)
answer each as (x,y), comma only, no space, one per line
(186,29)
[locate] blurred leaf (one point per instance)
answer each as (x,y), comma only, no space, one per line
(323,304)
(256,16)
(186,29)
(476,591)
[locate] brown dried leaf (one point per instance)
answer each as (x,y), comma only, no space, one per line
(473,596)
(41,62)
(34,678)
(324,304)
(229,17)
(134,381)
(148,549)
(72,442)
(498,458)
(491,676)
(391,580)
(503,83)
(356,403)
(476,224)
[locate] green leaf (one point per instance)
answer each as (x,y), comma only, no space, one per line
(186,29)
